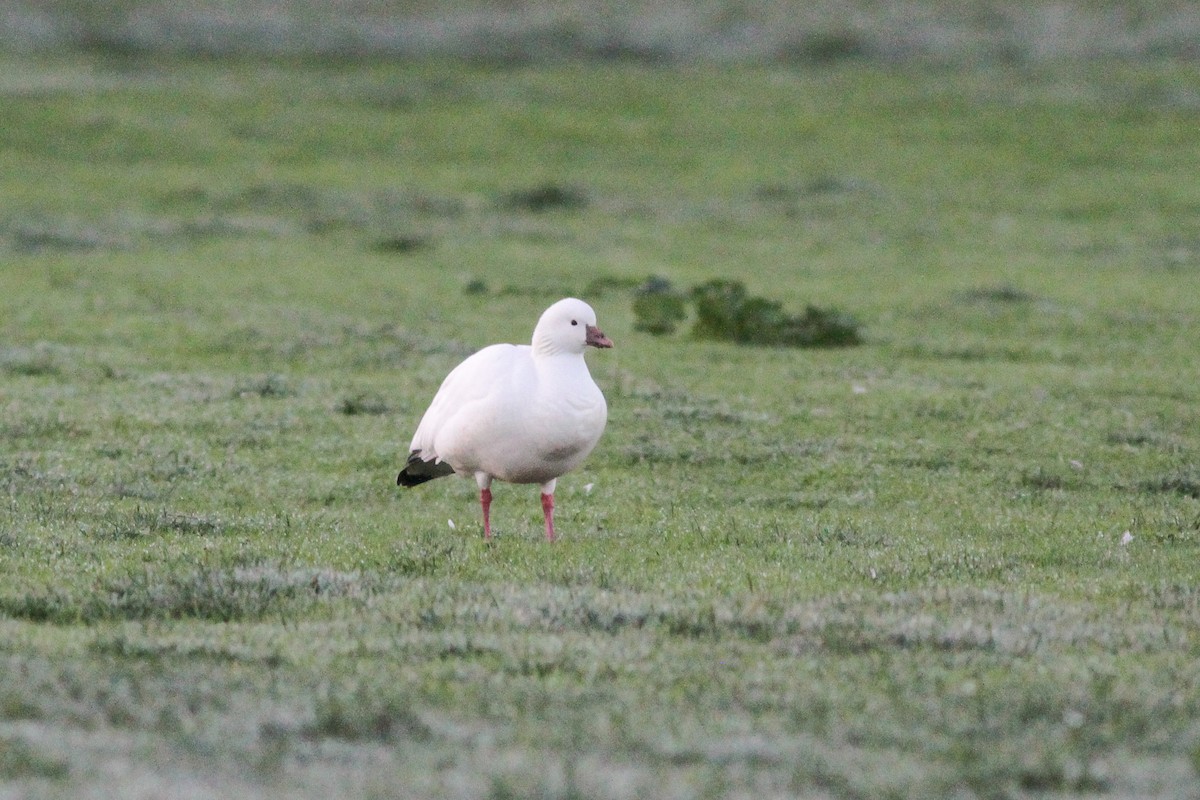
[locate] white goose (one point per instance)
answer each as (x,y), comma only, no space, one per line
(519,413)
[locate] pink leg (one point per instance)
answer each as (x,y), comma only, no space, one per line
(548,510)
(485,500)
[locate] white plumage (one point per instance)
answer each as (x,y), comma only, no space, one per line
(517,413)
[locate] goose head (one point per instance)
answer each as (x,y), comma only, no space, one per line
(568,326)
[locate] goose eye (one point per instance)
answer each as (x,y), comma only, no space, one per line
(574,322)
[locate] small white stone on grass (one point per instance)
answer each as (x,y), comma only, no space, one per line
(1126,537)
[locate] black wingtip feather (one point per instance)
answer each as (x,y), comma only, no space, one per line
(416,471)
(405,478)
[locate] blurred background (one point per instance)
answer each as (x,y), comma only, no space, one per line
(511,31)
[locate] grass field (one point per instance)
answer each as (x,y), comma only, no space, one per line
(960,560)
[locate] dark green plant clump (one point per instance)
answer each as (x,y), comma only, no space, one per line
(546,197)
(657,307)
(726,312)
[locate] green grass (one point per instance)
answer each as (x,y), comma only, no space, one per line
(892,570)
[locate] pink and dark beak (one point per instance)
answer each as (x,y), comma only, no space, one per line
(596,338)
